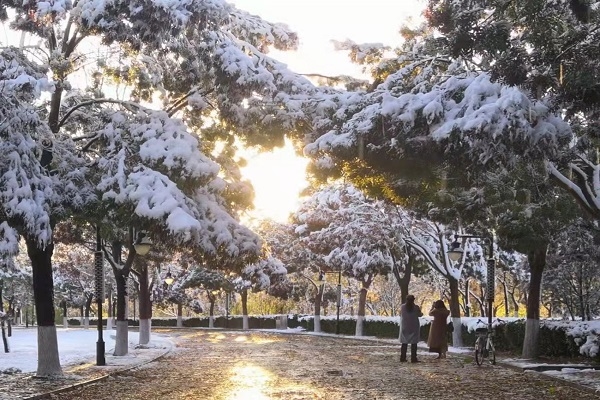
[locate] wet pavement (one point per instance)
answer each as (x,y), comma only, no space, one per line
(252,365)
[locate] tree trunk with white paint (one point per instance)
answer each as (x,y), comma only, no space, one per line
(109,318)
(122,333)
(179,315)
(43,292)
(362,301)
(244,295)
(121,339)
(48,359)
(360,325)
(211,321)
(455,312)
(145,330)
(317,323)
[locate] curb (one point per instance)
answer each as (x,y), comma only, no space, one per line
(47,395)
(562,381)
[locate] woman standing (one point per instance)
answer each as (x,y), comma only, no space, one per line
(410,328)
(438,339)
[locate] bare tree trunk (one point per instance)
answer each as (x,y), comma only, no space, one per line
(11,313)
(109,318)
(505,291)
(211,309)
(2,320)
(404,279)
(515,304)
(537,262)
(63,305)
(466,298)
(88,306)
(43,293)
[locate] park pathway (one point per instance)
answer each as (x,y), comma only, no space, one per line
(228,365)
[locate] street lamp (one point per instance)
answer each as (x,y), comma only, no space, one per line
(169,278)
(142,244)
(456,252)
(99,275)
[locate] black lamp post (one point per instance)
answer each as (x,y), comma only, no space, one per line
(456,252)
(99,272)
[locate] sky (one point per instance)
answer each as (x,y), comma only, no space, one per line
(278,177)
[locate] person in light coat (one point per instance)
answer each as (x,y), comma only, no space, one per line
(438,337)
(410,328)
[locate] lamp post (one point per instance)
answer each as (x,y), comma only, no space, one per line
(456,252)
(99,275)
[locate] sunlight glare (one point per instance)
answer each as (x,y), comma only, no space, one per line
(248,382)
(278,178)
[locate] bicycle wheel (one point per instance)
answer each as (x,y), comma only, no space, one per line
(479,349)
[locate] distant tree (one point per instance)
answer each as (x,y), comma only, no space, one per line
(351,234)
(572,280)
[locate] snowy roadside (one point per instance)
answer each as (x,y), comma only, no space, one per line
(77,347)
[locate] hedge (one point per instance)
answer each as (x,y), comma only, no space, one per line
(555,340)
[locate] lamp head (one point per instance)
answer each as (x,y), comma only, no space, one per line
(169,278)
(456,252)
(142,244)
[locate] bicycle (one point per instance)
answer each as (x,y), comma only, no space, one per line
(484,345)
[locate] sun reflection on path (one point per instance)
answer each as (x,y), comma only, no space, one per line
(247,382)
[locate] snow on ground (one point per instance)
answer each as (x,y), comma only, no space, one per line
(75,346)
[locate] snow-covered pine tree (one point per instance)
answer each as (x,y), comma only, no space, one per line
(452,102)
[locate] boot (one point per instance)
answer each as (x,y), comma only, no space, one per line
(413,353)
(403,349)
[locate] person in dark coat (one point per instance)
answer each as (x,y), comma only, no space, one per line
(438,338)
(410,328)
